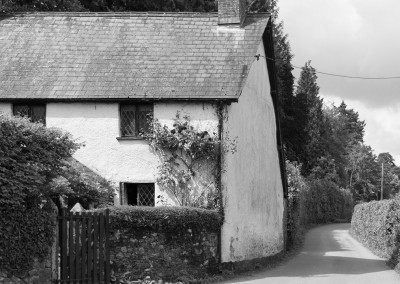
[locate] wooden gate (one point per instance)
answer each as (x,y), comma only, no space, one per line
(84,255)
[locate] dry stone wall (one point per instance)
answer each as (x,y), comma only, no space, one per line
(40,273)
(167,256)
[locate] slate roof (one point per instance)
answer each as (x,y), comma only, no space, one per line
(94,56)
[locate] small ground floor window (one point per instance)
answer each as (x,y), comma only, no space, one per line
(138,194)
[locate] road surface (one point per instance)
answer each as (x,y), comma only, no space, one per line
(329,256)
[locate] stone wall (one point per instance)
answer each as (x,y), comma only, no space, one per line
(182,256)
(40,273)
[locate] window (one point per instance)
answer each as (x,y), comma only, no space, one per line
(138,194)
(36,112)
(134,119)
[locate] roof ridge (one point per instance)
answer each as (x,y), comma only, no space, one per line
(121,14)
(112,14)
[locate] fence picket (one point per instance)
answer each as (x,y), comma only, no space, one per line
(71,247)
(107,245)
(90,248)
(95,247)
(101,248)
(63,242)
(77,248)
(84,246)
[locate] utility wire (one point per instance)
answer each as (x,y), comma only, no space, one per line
(336,75)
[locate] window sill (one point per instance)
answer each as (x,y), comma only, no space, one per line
(131,138)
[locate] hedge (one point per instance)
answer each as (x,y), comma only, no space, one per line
(168,217)
(31,155)
(25,234)
(377,225)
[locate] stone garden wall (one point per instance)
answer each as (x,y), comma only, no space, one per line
(41,273)
(171,244)
(181,256)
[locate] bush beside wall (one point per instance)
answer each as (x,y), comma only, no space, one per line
(168,243)
(25,241)
(313,201)
(377,225)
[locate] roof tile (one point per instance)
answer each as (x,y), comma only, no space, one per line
(127,55)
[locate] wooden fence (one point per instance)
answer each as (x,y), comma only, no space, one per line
(84,255)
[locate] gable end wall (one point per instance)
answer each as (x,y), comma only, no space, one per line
(252,184)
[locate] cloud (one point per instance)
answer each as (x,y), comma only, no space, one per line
(349,37)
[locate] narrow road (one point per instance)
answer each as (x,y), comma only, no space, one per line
(330,255)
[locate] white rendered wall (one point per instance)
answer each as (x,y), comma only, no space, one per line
(252,184)
(5,108)
(129,161)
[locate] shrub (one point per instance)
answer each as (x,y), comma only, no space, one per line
(313,201)
(296,188)
(77,183)
(377,225)
(31,155)
(25,234)
(325,202)
(167,217)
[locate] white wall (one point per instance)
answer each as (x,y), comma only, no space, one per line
(97,126)
(5,108)
(252,184)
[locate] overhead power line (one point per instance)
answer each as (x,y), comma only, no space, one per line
(337,75)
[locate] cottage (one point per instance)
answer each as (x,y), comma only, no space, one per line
(97,76)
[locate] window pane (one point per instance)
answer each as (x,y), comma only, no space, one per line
(146,194)
(38,113)
(128,127)
(135,118)
(22,110)
(143,120)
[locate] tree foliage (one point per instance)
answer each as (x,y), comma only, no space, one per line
(11,6)
(31,155)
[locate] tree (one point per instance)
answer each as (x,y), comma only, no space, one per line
(10,6)
(364,173)
(391,181)
(308,119)
(352,126)
(285,79)
(31,155)
(343,129)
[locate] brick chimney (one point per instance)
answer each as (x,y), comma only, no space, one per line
(231,11)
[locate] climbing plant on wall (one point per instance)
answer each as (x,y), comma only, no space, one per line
(189,166)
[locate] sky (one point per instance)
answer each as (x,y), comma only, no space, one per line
(354,38)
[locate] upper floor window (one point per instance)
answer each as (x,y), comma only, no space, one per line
(36,112)
(135,119)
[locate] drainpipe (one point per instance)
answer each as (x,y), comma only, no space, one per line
(220,110)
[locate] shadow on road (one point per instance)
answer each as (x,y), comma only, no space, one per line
(333,265)
(326,265)
(328,250)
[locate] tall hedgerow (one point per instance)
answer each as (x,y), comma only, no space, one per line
(31,155)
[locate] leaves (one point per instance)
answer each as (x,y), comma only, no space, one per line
(32,155)
(189,159)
